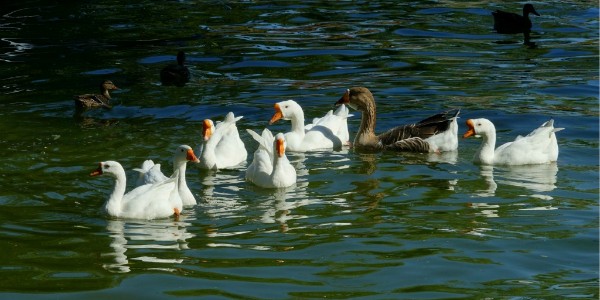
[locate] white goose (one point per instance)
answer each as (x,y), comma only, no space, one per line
(337,119)
(222,147)
(538,147)
(321,136)
(150,173)
(270,167)
(149,201)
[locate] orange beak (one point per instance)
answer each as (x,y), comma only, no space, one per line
(97,171)
(345,98)
(471,130)
(278,114)
(280,147)
(206,130)
(191,156)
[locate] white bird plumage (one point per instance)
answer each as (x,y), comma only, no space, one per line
(538,147)
(149,173)
(148,201)
(270,167)
(221,146)
(328,132)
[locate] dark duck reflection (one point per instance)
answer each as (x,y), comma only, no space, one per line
(175,74)
(90,101)
(511,23)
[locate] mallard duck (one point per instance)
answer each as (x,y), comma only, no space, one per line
(88,101)
(175,74)
(509,23)
(538,147)
(437,133)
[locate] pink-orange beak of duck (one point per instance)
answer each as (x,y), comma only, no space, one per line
(277,116)
(206,130)
(471,130)
(345,98)
(191,156)
(97,171)
(280,147)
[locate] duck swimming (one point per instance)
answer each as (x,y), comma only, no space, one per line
(510,23)
(148,201)
(538,147)
(437,133)
(175,74)
(89,101)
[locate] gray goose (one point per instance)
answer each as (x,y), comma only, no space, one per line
(437,133)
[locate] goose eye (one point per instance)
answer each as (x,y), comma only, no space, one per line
(181,150)
(107,166)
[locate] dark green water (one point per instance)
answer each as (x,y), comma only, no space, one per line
(360,226)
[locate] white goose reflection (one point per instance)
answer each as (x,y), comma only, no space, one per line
(156,234)
(448,157)
(219,193)
(537,179)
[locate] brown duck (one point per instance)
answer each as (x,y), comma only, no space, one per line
(88,101)
(437,133)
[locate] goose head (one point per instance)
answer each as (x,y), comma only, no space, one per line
(279,145)
(287,110)
(185,153)
(479,127)
(111,168)
(208,128)
(359,98)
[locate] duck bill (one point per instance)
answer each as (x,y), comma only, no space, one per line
(277,116)
(280,147)
(345,98)
(471,131)
(535,12)
(97,171)
(206,130)
(191,156)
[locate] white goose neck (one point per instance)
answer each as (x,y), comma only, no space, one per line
(298,123)
(114,204)
(485,155)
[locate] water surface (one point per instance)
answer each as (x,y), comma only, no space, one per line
(356,225)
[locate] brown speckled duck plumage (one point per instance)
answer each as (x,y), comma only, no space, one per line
(89,101)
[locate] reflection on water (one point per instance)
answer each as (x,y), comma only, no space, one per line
(353,219)
(487,173)
(147,237)
(534,178)
(447,157)
(537,178)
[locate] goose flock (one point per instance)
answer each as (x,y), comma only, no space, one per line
(159,196)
